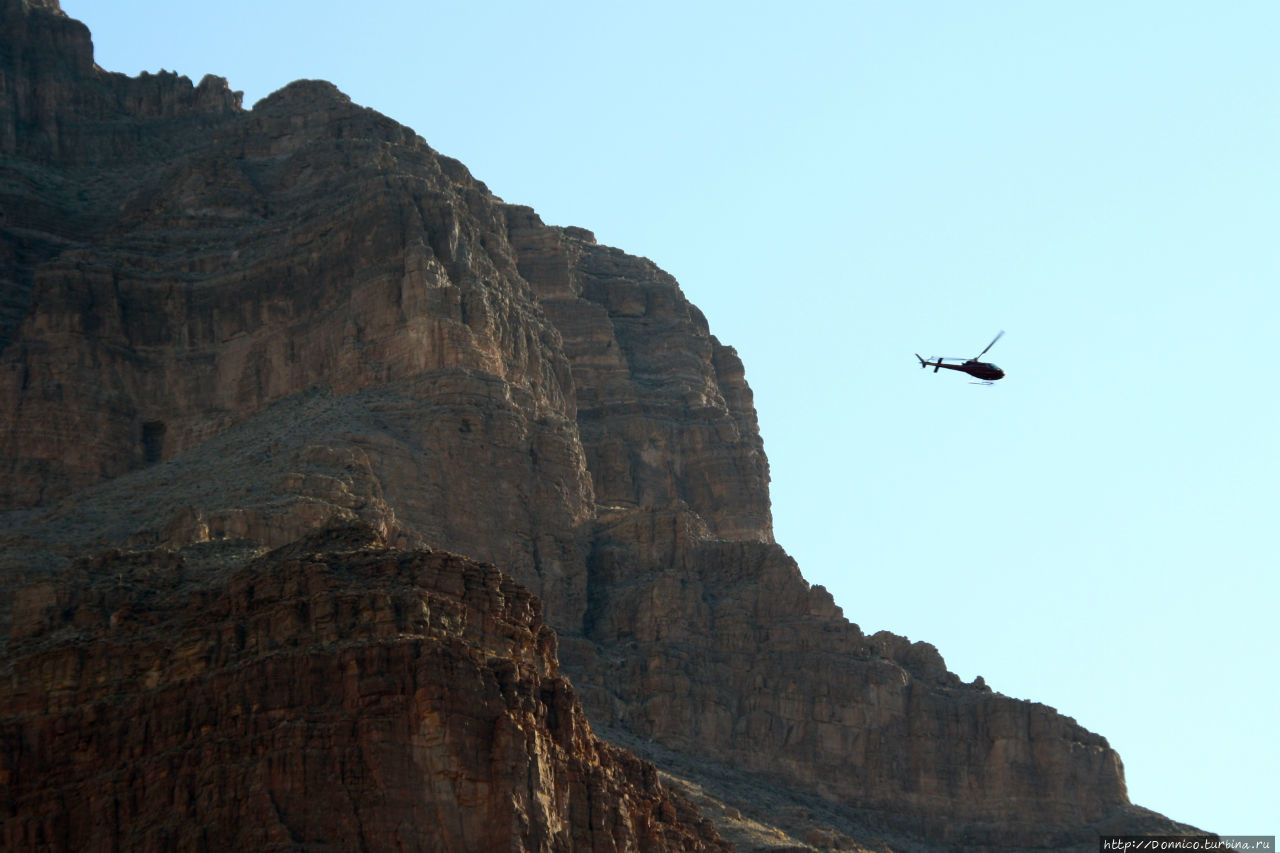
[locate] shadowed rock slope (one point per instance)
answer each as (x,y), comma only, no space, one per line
(333,694)
(224,327)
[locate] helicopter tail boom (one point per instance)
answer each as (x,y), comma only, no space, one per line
(924,364)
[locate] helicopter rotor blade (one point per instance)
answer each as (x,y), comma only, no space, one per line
(999,335)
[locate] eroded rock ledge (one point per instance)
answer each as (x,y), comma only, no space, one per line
(334,692)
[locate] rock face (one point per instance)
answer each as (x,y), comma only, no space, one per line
(226,326)
(664,412)
(332,694)
(728,652)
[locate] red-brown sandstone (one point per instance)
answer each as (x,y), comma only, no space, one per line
(334,694)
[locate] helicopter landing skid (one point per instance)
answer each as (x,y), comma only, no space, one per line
(977,382)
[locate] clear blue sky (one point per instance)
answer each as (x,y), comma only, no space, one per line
(841,184)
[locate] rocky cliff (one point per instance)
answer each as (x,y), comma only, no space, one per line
(333,694)
(226,327)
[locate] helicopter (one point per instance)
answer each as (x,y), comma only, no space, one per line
(984,371)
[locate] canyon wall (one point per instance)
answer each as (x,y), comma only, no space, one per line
(223,328)
(334,694)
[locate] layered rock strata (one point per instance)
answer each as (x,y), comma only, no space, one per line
(310,244)
(664,411)
(333,694)
(727,653)
(224,325)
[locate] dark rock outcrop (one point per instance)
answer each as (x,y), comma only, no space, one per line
(220,325)
(334,693)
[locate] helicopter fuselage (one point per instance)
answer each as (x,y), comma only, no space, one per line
(978,370)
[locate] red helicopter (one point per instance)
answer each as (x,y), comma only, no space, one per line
(981,370)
